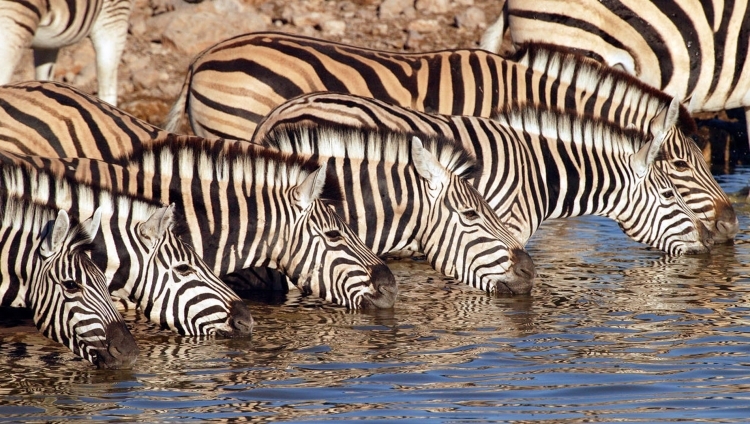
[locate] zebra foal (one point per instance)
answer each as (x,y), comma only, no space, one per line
(47,26)
(233,85)
(45,268)
(537,164)
(141,251)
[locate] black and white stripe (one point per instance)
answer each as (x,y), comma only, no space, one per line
(407,192)
(45,267)
(47,26)
(140,250)
(232,86)
(539,164)
(696,51)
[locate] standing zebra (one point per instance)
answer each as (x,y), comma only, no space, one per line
(47,26)
(142,254)
(538,164)
(403,193)
(230,88)
(248,206)
(45,268)
(697,51)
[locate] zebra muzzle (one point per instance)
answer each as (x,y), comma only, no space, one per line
(120,351)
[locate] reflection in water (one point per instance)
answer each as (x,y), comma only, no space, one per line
(612,331)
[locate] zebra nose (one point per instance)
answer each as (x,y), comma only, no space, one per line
(727,225)
(705,237)
(121,350)
(241,320)
(384,285)
(524,270)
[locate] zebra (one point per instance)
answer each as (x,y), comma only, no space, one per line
(232,86)
(538,164)
(411,193)
(140,248)
(47,26)
(247,206)
(693,51)
(46,268)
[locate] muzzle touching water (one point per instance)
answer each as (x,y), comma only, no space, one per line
(120,350)
(240,320)
(520,277)
(727,225)
(385,289)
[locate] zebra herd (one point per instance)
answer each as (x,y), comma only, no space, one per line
(306,177)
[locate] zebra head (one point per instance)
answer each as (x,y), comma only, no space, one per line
(682,160)
(464,237)
(178,290)
(324,257)
(655,213)
(70,298)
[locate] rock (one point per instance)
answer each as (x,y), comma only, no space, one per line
(471,18)
(390,9)
(333,27)
(424,25)
(191,30)
(433,6)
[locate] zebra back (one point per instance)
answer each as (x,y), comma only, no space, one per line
(409,192)
(139,247)
(46,268)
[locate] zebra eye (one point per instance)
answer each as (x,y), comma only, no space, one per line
(681,165)
(333,235)
(668,194)
(470,214)
(71,286)
(183,269)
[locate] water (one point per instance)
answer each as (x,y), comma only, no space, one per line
(612,332)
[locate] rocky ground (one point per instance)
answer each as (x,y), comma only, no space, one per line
(166,34)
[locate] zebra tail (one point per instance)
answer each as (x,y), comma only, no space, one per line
(173,122)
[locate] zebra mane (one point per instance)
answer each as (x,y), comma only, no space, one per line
(575,66)
(57,190)
(570,127)
(373,145)
(241,160)
(19,212)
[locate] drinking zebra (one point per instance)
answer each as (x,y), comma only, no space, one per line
(247,206)
(140,248)
(45,268)
(537,164)
(403,192)
(697,51)
(233,85)
(47,26)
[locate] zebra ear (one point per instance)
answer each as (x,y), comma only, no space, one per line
(92,225)
(157,225)
(666,119)
(646,156)
(52,239)
(311,187)
(426,163)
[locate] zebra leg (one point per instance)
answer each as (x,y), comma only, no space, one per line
(108,36)
(16,38)
(44,63)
